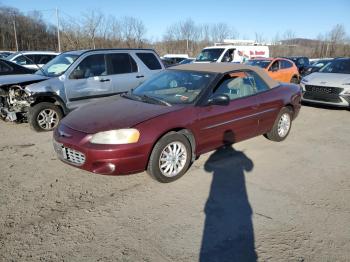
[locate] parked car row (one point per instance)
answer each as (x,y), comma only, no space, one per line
(223,103)
(71,80)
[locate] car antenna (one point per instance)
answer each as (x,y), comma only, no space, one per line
(42,71)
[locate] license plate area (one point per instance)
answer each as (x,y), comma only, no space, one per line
(60,150)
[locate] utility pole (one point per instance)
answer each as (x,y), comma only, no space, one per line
(14,29)
(58,31)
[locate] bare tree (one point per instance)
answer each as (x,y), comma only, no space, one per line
(132,31)
(336,37)
(219,32)
(92,21)
(259,38)
(289,37)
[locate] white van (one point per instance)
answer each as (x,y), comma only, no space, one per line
(231,53)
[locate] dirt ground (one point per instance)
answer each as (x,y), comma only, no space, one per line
(285,201)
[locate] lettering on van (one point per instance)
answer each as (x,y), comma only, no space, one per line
(257,52)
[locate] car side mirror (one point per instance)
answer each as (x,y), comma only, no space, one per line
(77,74)
(220,100)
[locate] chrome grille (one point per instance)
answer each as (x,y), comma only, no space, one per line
(69,155)
(74,156)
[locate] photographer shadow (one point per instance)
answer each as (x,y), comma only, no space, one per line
(228,233)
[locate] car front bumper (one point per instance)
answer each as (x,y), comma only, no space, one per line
(325,95)
(73,147)
(338,101)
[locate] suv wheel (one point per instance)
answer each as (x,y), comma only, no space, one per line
(44,116)
(170,158)
(281,127)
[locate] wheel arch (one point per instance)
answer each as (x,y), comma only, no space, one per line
(181,130)
(297,76)
(50,98)
(291,108)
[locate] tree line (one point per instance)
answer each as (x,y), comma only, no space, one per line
(96,30)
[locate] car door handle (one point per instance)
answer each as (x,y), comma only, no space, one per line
(105,80)
(140,76)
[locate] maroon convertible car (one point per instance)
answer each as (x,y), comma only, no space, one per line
(168,121)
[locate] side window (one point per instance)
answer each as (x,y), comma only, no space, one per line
(4,68)
(93,65)
(275,66)
(258,83)
(149,60)
(22,60)
(120,63)
(43,59)
(286,64)
(301,62)
(228,56)
(236,85)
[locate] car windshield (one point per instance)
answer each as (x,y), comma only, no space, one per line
(9,57)
(172,87)
(58,65)
(210,55)
(261,63)
(337,66)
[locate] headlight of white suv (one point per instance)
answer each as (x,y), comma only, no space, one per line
(116,137)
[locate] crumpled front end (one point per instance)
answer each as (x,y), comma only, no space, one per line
(15,101)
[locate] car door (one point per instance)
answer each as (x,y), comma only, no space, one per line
(275,71)
(218,124)
(269,103)
(87,81)
(123,72)
(284,71)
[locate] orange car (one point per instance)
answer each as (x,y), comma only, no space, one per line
(280,69)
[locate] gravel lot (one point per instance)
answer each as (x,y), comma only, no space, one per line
(284,201)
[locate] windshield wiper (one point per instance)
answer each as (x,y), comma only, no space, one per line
(157,100)
(131,96)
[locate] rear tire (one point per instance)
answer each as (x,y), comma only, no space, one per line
(282,126)
(170,158)
(44,116)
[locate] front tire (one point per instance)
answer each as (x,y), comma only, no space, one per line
(170,158)
(44,116)
(282,126)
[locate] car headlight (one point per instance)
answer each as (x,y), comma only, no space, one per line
(116,137)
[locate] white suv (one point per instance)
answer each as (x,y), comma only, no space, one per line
(330,86)
(32,59)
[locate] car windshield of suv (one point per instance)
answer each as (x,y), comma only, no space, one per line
(337,66)
(172,87)
(210,55)
(58,65)
(9,57)
(261,63)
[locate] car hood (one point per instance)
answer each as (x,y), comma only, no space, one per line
(114,113)
(20,79)
(327,79)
